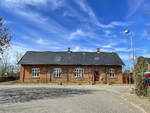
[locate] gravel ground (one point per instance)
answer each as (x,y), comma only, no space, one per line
(63,99)
(15,95)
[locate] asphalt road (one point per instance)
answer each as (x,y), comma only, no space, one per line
(62,100)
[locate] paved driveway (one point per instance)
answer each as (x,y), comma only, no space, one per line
(74,99)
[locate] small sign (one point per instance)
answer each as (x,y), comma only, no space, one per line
(147,80)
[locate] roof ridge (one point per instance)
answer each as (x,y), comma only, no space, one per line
(71,52)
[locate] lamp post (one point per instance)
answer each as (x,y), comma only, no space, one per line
(129,32)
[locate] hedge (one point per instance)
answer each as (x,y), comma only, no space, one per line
(9,78)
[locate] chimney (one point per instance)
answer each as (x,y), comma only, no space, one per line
(69,50)
(98,50)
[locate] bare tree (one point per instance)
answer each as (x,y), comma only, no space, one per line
(5,37)
(4,64)
(18,56)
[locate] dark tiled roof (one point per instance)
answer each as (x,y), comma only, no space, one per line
(73,58)
(148,60)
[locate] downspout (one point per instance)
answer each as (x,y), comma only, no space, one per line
(67,74)
(93,77)
(50,78)
(23,73)
(46,74)
(105,75)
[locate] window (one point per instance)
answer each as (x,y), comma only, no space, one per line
(112,73)
(78,72)
(35,72)
(57,72)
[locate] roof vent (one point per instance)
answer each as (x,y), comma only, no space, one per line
(69,50)
(58,58)
(98,50)
(96,58)
(83,53)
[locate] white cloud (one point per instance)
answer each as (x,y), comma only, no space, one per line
(22,3)
(77,48)
(146,55)
(40,41)
(107,32)
(80,33)
(26,1)
(88,50)
(126,57)
(122,49)
(75,34)
(81,48)
(111,45)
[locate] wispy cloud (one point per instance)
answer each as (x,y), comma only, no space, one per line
(42,22)
(57,24)
(134,5)
(107,32)
(114,24)
(146,34)
(87,9)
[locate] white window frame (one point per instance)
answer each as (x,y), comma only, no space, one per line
(57,72)
(35,72)
(112,73)
(78,72)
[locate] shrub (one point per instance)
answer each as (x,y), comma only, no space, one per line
(139,69)
(141,88)
(9,78)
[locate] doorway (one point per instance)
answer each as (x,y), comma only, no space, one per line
(96,75)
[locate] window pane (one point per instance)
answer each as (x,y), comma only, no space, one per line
(57,72)
(78,72)
(112,73)
(35,72)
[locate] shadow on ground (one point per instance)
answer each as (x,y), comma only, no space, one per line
(15,95)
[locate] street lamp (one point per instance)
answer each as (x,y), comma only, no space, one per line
(129,32)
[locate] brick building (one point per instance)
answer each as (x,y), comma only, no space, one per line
(68,66)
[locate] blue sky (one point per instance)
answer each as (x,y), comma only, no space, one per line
(82,25)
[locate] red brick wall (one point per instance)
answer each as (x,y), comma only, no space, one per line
(68,75)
